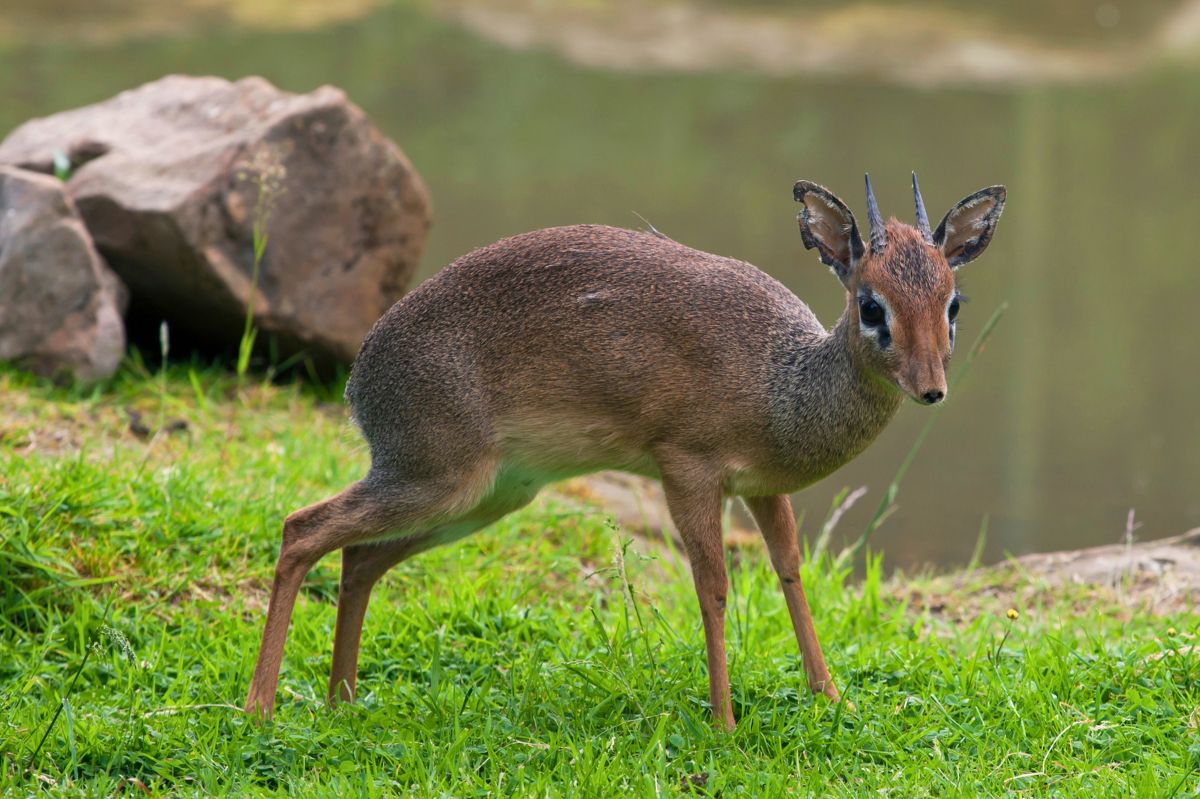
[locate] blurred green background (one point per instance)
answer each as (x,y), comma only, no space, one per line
(522,115)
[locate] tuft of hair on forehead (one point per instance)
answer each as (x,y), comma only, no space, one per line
(909,263)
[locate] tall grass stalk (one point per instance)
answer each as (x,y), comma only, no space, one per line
(249,331)
(164,345)
(842,502)
(87,654)
(888,502)
(268,174)
(93,641)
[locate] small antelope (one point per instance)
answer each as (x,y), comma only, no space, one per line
(574,349)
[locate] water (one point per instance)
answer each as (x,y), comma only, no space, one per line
(1084,404)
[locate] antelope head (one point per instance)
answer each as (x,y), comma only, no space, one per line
(902,281)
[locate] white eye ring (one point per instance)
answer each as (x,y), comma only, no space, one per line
(882,303)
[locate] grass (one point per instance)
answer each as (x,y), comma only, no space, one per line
(547,656)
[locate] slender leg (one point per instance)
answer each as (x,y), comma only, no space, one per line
(695,505)
(362,566)
(778,526)
(360,512)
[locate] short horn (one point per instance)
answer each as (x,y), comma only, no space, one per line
(922,217)
(875,220)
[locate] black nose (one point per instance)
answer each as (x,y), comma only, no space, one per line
(933,397)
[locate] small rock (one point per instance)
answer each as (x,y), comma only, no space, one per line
(60,305)
(136,425)
(176,426)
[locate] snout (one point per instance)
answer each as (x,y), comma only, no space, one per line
(926,381)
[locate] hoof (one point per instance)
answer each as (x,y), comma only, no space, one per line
(830,692)
(258,710)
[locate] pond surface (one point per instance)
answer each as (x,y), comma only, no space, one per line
(1083,405)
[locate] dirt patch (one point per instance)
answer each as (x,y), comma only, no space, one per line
(1158,577)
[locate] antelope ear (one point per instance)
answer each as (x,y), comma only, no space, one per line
(827,225)
(967,228)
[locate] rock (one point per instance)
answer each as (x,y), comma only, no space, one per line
(172,177)
(60,305)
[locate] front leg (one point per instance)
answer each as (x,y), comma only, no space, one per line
(694,499)
(774,518)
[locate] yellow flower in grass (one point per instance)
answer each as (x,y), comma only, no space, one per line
(1013,615)
(1171,632)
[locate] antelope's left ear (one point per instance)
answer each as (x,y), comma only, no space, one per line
(967,228)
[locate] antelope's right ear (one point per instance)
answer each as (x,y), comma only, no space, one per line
(827,225)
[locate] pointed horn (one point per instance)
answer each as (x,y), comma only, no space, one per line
(875,220)
(922,217)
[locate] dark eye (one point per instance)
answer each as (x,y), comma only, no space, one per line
(952,311)
(870,312)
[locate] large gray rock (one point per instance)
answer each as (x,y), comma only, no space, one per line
(171,177)
(60,306)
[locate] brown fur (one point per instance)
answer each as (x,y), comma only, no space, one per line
(574,349)
(917,283)
(569,350)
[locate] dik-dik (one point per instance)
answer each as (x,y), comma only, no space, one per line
(574,349)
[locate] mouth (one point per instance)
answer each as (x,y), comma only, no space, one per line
(928,397)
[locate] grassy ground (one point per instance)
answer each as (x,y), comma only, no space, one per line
(548,656)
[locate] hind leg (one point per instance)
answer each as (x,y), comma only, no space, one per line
(371,508)
(364,564)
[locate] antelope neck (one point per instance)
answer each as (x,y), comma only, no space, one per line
(828,404)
